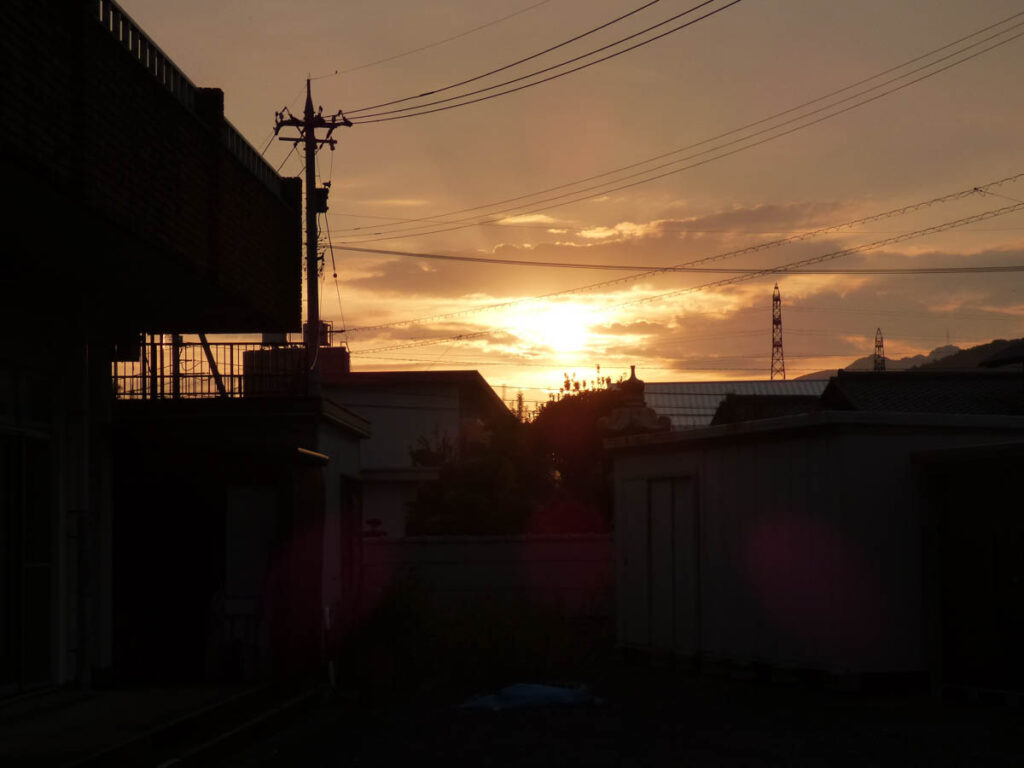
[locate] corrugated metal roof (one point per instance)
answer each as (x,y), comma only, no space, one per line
(692,404)
(965,392)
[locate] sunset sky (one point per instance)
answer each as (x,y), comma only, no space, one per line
(517,159)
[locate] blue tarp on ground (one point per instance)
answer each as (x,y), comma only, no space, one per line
(527,695)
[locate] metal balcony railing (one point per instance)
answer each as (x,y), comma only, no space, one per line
(167,369)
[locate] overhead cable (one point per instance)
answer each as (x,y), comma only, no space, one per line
(557,365)
(744,142)
(506,66)
(419,109)
(891,213)
(688,269)
(679,150)
(790,267)
(664,225)
(445,40)
(794,266)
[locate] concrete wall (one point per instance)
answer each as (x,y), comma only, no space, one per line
(572,573)
(808,547)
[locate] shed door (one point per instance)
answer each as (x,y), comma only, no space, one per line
(673,566)
(634,583)
(662,565)
(686,576)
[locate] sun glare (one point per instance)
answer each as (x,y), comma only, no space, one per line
(561,327)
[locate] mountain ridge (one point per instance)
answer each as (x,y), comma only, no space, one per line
(948,357)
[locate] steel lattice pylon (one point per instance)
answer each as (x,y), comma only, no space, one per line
(778,360)
(879,351)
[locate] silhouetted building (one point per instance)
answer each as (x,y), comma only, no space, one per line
(236,536)
(133,206)
(866,535)
(692,404)
(441,412)
(736,408)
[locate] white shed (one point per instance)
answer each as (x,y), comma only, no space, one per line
(796,541)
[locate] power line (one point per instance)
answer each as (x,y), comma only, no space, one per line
(662,226)
(595,190)
(286,157)
(987,269)
(445,40)
(556,365)
(837,254)
(418,109)
(506,66)
(721,135)
(547,79)
(337,288)
(899,313)
(432,342)
(749,276)
(557,226)
(891,213)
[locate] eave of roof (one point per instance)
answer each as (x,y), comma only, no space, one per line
(471,384)
(817,421)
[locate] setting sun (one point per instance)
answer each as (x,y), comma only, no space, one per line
(560,327)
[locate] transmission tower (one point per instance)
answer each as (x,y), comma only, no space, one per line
(879,351)
(778,361)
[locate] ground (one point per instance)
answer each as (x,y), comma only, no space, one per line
(650,716)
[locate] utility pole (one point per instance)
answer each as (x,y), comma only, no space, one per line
(879,351)
(778,360)
(316,202)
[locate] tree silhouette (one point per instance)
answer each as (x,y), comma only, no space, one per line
(548,475)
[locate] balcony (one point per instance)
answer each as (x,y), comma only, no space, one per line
(163,367)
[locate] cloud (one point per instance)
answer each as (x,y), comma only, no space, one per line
(639,328)
(529,218)
(724,328)
(622,229)
(763,219)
